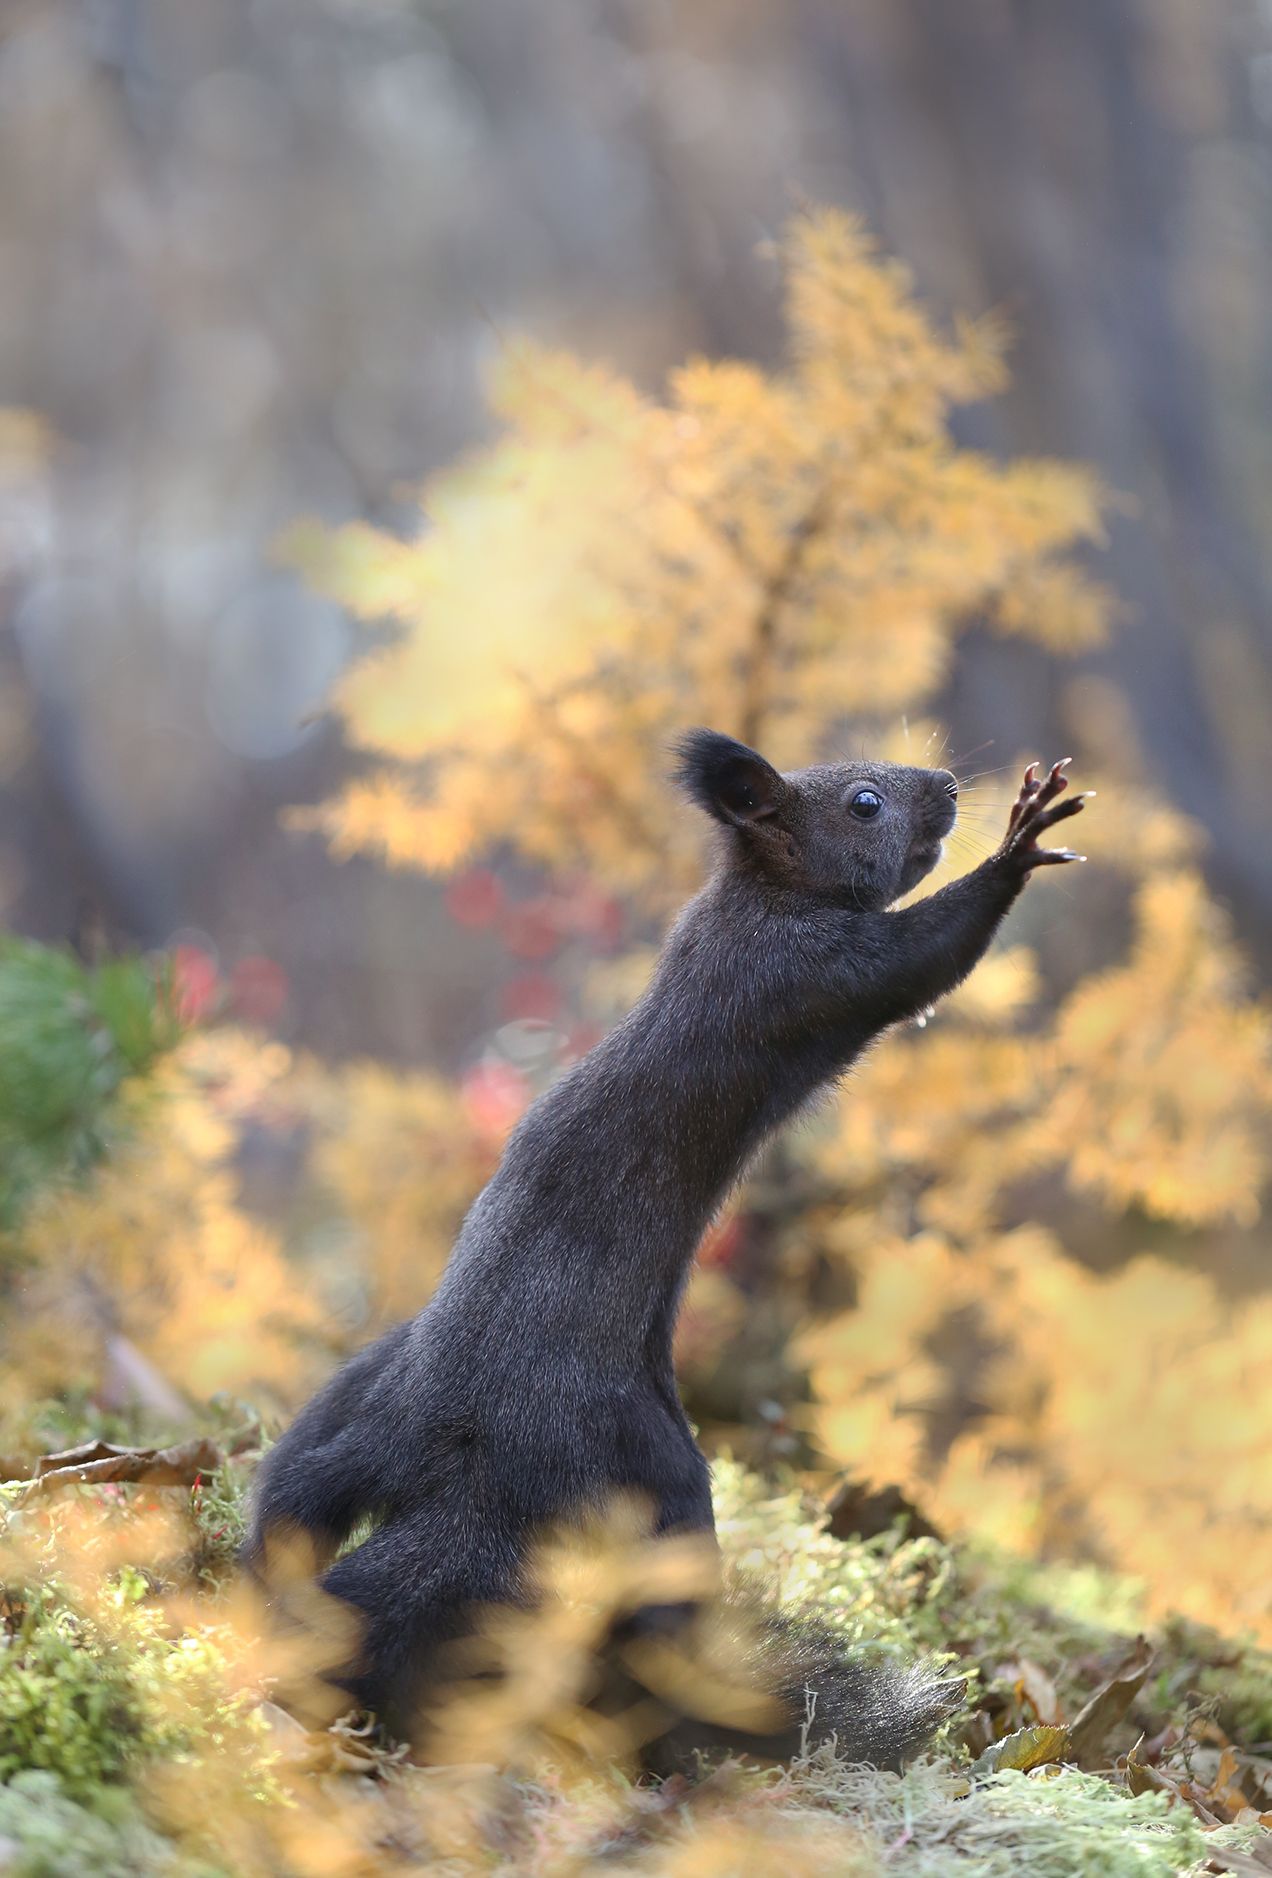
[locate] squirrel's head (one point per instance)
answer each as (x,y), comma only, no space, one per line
(857,834)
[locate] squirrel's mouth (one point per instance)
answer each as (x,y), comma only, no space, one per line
(920,861)
(943,820)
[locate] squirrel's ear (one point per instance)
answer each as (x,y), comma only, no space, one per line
(729,781)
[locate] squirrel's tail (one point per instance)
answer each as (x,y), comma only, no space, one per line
(875,1712)
(878,1712)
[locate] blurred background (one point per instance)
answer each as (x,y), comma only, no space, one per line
(259,261)
(256,259)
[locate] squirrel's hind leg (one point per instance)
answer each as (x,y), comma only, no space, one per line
(416,1588)
(329,1468)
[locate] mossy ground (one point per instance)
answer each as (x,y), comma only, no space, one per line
(133,1738)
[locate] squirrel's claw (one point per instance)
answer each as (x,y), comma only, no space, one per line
(1037,808)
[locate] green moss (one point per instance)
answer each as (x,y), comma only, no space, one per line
(95,1706)
(218,1510)
(67,1702)
(45,1833)
(1051,1824)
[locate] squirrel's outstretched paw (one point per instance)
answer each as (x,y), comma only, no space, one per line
(1035,809)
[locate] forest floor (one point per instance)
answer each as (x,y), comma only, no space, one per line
(147,1728)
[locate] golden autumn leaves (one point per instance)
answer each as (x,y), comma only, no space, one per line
(781,553)
(772,551)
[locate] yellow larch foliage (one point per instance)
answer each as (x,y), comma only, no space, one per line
(1163,1079)
(760,550)
(1151,1088)
(868,1368)
(153,1261)
(1122,1416)
(791,555)
(397,1164)
(1135,1406)
(154,1250)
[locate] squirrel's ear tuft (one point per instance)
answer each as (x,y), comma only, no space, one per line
(727,779)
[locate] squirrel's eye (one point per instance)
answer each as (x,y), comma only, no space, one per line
(865,804)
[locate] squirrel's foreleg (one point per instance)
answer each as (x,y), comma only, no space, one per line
(924,951)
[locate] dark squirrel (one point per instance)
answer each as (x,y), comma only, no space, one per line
(538,1381)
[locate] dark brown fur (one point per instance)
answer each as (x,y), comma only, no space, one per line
(538,1381)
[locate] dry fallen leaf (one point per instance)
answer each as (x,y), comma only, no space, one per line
(1028,1747)
(1109,1705)
(98,1463)
(1034,1685)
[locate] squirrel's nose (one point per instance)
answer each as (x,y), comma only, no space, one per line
(949,782)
